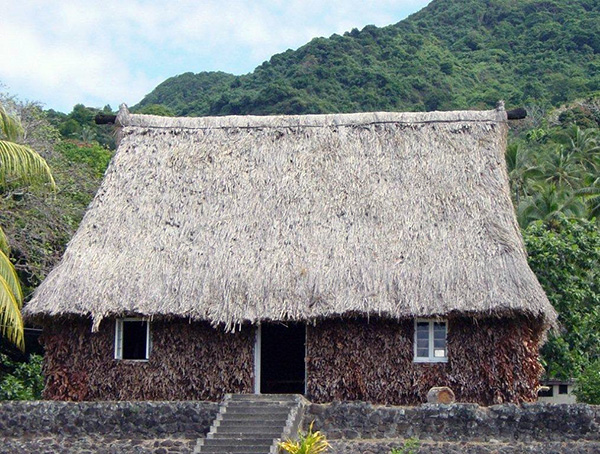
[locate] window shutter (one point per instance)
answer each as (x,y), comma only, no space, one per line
(439,340)
(422,339)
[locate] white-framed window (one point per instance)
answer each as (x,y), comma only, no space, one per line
(132,339)
(430,341)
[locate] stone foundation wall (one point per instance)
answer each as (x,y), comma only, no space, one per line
(148,420)
(506,423)
(351,427)
(570,447)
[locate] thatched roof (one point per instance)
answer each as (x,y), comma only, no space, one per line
(237,219)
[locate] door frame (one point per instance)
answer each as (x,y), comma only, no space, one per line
(257,360)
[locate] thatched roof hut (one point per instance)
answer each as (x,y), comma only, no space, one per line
(386,243)
(248,219)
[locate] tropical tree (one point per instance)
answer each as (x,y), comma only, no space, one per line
(583,144)
(549,202)
(521,170)
(562,168)
(588,384)
(591,196)
(565,256)
(19,164)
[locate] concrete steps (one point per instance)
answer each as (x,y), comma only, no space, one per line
(253,424)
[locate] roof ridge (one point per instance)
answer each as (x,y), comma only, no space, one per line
(125,118)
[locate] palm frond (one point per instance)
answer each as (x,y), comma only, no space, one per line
(591,196)
(10,128)
(593,204)
(8,273)
(522,170)
(550,202)
(4,246)
(17,163)
(21,163)
(11,322)
(589,191)
(561,168)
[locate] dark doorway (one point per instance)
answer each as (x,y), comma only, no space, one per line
(282,352)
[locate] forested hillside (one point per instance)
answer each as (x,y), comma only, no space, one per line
(452,54)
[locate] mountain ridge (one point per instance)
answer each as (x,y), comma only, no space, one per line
(452,54)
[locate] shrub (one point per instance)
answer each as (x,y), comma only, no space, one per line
(21,381)
(588,385)
(410,446)
(308,443)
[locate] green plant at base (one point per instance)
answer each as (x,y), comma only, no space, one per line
(308,443)
(410,446)
(21,381)
(588,385)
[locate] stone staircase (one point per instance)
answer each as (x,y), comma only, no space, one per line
(253,424)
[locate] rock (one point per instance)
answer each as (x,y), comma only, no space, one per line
(440,395)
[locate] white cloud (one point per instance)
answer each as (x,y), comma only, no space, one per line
(73,51)
(59,58)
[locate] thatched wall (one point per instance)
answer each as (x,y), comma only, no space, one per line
(189,361)
(490,361)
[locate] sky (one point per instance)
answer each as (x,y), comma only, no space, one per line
(96,53)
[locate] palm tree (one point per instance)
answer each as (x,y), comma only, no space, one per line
(583,144)
(562,168)
(548,203)
(521,170)
(591,195)
(18,164)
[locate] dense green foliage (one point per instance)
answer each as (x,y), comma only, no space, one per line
(554,166)
(40,224)
(565,256)
(21,380)
(156,109)
(452,54)
(187,94)
(20,165)
(588,385)
(79,125)
(91,156)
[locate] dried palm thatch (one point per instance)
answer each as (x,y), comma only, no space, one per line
(189,361)
(245,219)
